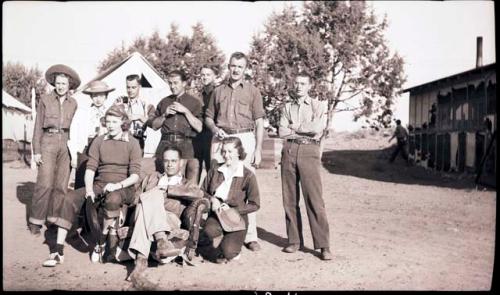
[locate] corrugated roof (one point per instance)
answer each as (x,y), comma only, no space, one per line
(446,79)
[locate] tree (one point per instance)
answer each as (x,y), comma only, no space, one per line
(175,51)
(18,81)
(341,45)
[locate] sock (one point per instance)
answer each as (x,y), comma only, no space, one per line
(52,248)
(102,239)
(60,249)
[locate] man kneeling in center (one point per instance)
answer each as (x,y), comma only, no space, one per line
(166,198)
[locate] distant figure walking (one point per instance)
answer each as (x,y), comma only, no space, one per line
(401,135)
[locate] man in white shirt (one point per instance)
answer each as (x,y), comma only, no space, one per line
(158,217)
(87,124)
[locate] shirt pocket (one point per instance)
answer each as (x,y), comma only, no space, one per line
(51,120)
(244,109)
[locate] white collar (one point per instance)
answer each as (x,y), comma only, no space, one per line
(238,173)
(123,137)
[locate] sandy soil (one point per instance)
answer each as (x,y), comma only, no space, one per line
(392,227)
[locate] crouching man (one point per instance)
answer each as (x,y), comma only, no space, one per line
(166,200)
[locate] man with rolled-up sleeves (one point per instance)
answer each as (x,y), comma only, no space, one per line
(301,125)
(236,109)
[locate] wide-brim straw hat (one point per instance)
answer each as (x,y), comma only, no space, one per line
(98,87)
(50,75)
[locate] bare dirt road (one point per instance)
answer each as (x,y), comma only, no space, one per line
(392,227)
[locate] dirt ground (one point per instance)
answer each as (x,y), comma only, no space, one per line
(392,227)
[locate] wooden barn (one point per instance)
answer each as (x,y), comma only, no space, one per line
(452,121)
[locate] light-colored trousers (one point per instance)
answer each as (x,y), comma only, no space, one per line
(150,218)
(248,141)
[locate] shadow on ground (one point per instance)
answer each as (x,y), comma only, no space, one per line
(24,193)
(374,165)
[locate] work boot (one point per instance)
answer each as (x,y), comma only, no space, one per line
(292,248)
(165,248)
(253,246)
(35,229)
(325,254)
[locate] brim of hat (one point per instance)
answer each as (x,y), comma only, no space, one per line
(56,69)
(91,91)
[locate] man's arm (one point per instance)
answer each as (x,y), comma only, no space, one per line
(157,119)
(317,124)
(184,191)
(259,137)
(283,128)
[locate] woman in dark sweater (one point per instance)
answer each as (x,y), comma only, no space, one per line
(116,157)
(230,185)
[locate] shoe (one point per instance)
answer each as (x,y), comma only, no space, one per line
(221,260)
(325,254)
(35,229)
(237,257)
(253,246)
(98,254)
(292,248)
(53,260)
(165,248)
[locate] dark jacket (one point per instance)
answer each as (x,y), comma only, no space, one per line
(244,191)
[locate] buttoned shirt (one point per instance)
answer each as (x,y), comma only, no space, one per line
(136,106)
(50,113)
(177,123)
(310,115)
(235,108)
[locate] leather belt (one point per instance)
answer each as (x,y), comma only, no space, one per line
(303,140)
(56,130)
(174,137)
(235,131)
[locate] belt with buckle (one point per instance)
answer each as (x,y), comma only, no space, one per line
(235,131)
(174,137)
(303,140)
(56,130)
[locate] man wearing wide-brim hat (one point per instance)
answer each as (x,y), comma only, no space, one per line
(55,112)
(87,124)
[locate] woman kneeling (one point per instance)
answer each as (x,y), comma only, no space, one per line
(233,193)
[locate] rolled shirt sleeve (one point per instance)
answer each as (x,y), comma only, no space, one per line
(257,105)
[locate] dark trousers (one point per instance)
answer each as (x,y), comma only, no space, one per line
(74,200)
(301,164)
(401,146)
(231,243)
(186,147)
(202,145)
(52,179)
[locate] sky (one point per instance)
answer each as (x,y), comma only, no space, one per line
(436,39)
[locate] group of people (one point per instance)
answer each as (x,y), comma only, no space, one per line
(221,132)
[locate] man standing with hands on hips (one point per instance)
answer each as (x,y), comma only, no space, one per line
(236,109)
(301,125)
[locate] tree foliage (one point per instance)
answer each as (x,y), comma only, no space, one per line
(19,80)
(342,46)
(175,51)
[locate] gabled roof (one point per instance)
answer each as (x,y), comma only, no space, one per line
(452,77)
(114,67)
(10,102)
